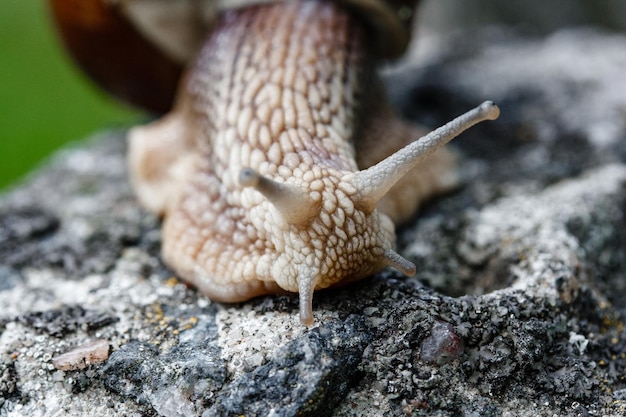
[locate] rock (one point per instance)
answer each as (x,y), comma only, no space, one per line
(536,16)
(517,308)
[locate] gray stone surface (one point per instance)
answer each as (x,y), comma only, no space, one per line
(517,308)
(534,16)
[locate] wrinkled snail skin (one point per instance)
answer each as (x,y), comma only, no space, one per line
(255,170)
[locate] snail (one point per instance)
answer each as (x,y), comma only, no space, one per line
(281,167)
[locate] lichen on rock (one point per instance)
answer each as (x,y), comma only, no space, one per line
(517,307)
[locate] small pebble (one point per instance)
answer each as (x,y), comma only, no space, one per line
(82,356)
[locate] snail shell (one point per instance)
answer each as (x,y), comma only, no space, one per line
(281,167)
(137,49)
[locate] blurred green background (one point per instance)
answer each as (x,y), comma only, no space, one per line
(44,101)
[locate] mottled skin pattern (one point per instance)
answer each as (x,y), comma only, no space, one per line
(284,89)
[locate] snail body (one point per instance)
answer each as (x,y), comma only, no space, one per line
(281,167)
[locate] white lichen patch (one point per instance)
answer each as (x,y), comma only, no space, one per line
(579,341)
(50,389)
(599,116)
(534,231)
(246,337)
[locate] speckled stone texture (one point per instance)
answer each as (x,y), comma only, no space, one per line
(517,308)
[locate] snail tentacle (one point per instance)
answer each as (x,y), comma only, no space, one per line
(307,282)
(396,261)
(374,182)
(294,204)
